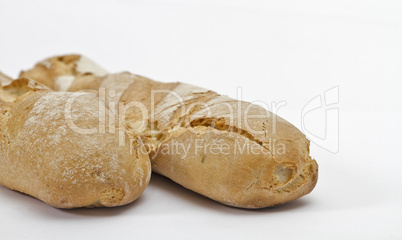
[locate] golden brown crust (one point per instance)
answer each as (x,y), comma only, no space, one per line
(267,161)
(47,151)
(243,179)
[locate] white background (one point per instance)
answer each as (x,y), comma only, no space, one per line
(275,51)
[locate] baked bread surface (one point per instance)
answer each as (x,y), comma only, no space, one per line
(51,148)
(254,162)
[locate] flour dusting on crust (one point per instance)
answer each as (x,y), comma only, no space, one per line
(118,83)
(86,65)
(63,83)
(174,99)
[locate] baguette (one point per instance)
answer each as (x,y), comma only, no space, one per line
(48,149)
(206,142)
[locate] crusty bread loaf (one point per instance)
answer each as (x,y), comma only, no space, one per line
(234,152)
(52,147)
